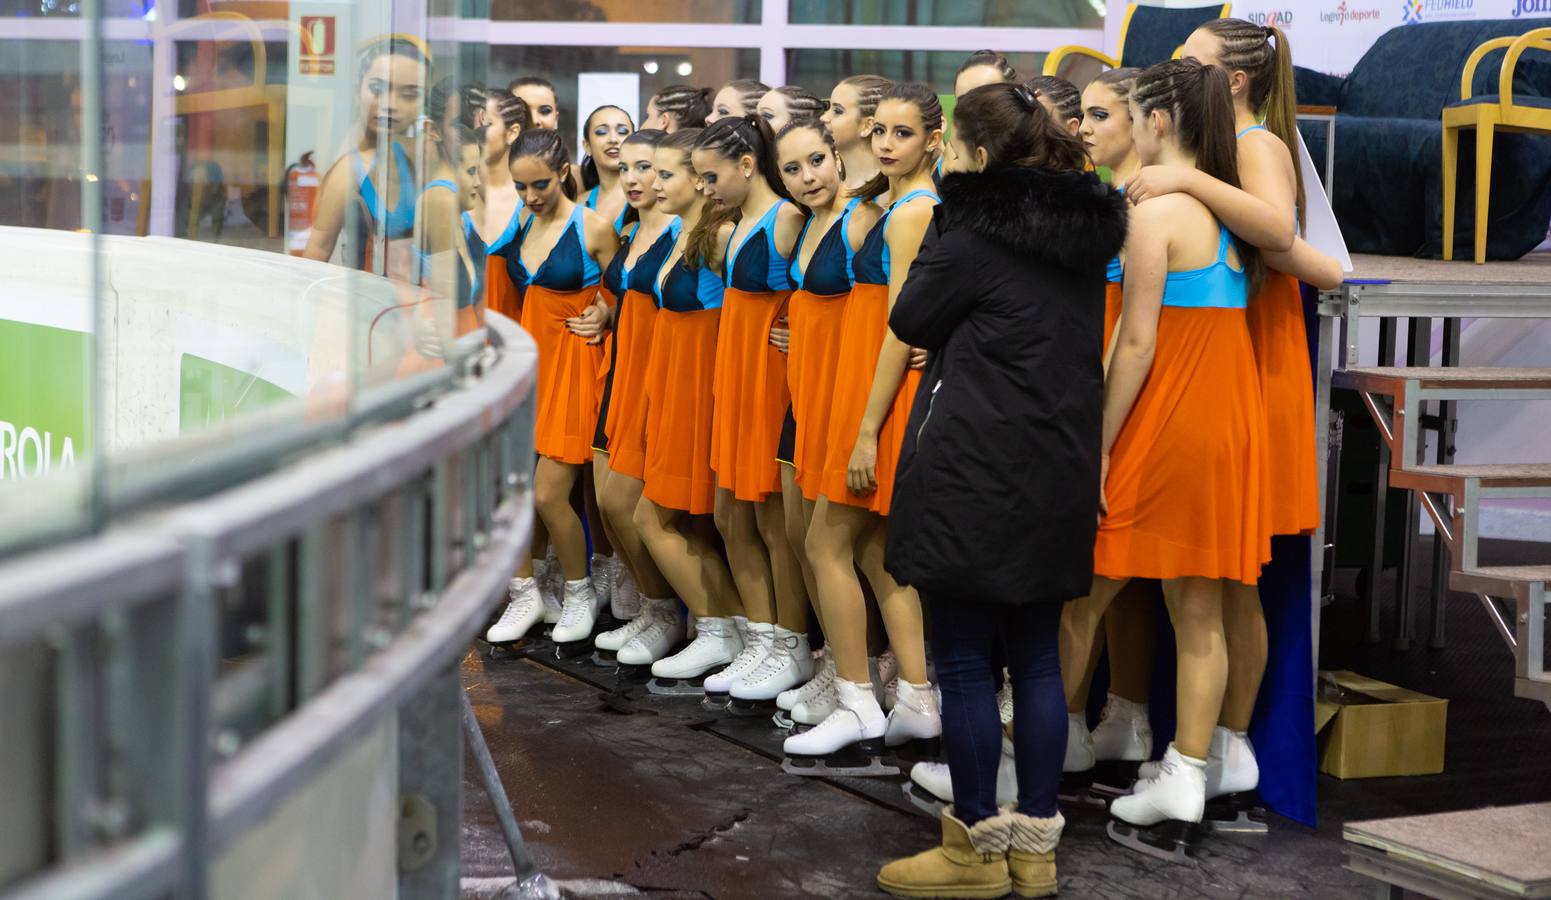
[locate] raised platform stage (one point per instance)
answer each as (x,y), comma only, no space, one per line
(1497,852)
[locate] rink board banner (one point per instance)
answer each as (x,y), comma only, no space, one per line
(1332,35)
(45,405)
(209,393)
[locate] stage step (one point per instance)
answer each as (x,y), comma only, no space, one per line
(1467,486)
(1394,395)
(1495,852)
(1524,628)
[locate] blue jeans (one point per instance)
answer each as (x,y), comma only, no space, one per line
(964,634)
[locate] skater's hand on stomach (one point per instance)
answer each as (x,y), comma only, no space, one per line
(862,472)
(781,335)
(917,358)
(590,323)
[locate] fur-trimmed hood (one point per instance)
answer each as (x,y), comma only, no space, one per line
(1068,219)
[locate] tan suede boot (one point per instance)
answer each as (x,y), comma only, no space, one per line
(1031,855)
(971,863)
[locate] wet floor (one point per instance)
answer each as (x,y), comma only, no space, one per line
(653,794)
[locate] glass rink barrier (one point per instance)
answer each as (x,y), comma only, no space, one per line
(265,460)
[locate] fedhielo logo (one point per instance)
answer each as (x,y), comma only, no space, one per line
(1531,7)
(1281,18)
(1413,11)
(1343,14)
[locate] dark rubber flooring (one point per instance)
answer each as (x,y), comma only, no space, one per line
(621,792)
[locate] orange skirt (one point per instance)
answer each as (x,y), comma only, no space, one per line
(1276,329)
(567,392)
(817,324)
(626,421)
(1114,299)
(678,404)
(500,293)
(1189,479)
(863,326)
(751,396)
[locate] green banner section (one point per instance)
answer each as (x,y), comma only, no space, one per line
(210,393)
(45,402)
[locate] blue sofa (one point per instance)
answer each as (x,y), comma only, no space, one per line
(1389,182)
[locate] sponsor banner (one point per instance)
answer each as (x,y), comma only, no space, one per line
(1332,35)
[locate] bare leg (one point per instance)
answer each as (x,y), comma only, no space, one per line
(601,529)
(1131,632)
(899,605)
(1195,607)
(552,483)
(831,550)
(689,562)
(798,512)
(1244,626)
(1079,626)
(746,555)
(619,498)
(786,575)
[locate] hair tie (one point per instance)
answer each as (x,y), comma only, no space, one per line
(1025,96)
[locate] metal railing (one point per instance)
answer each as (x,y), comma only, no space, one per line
(186,699)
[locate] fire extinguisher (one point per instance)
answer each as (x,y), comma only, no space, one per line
(301,192)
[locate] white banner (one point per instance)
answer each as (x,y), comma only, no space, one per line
(1332,35)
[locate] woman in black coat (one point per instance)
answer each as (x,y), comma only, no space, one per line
(997,498)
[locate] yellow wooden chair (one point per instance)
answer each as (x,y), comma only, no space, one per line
(1488,114)
(1148,35)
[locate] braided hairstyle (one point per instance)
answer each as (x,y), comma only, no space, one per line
(924,99)
(1008,122)
(590,178)
(738,136)
(548,147)
(1121,81)
(1262,53)
(993,59)
(470,99)
(1062,94)
(869,91)
(1199,101)
(803,103)
(647,137)
(512,109)
(687,105)
(749,91)
(700,244)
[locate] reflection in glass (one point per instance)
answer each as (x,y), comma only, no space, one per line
(961,13)
(704,11)
(653,69)
(821,70)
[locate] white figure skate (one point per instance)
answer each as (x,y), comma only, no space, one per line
(931,787)
(1121,743)
(788,663)
(683,674)
(915,723)
(756,643)
(849,742)
(1162,816)
(786,701)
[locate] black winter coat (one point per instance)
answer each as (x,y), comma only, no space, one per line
(996,497)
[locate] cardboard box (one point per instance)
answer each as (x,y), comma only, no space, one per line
(1369,729)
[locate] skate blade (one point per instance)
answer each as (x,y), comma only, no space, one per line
(716,703)
(1172,842)
(818,768)
(918,750)
(924,800)
(1076,790)
(1249,821)
(604,660)
(574,649)
(632,673)
(749,708)
(783,720)
(674,688)
(1114,777)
